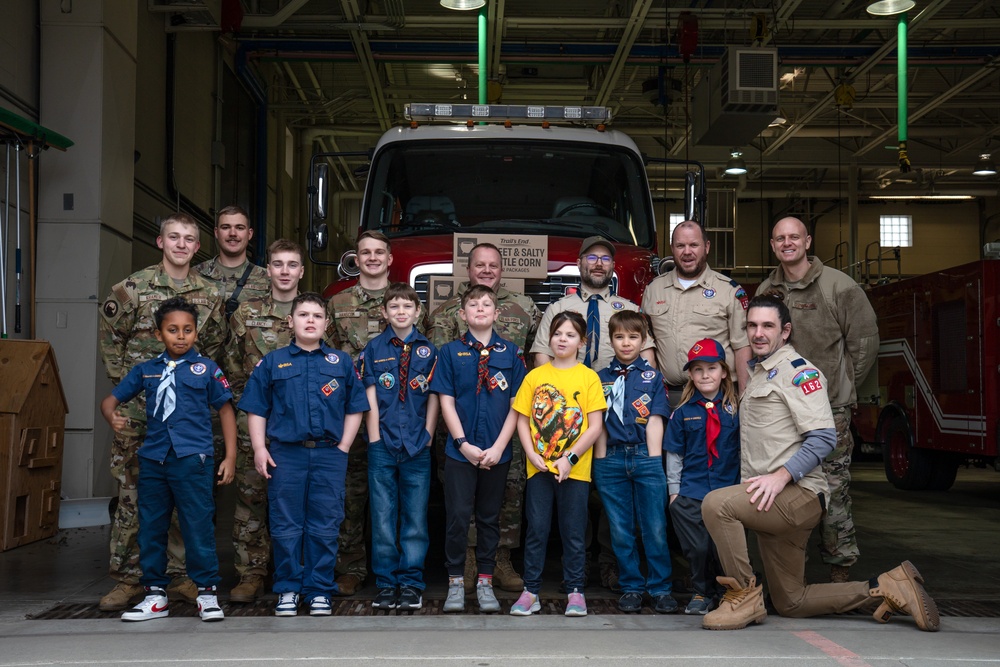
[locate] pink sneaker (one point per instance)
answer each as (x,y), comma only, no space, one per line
(576,604)
(526,605)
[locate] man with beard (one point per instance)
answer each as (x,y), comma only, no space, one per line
(837,330)
(237,277)
(516,321)
(595,302)
(692,302)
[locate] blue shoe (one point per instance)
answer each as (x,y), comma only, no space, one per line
(320,606)
(664,604)
(288,604)
(699,604)
(385,599)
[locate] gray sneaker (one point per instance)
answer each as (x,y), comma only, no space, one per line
(455,601)
(488,603)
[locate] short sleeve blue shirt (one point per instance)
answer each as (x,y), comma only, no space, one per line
(402,423)
(483,414)
(304,394)
(645,395)
(198,384)
(686,435)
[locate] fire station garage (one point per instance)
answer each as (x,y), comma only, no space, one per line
(531,125)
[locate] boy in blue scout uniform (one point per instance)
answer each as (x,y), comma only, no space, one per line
(477,377)
(628,466)
(702,454)
(307,400)
(176,459)
(397,367)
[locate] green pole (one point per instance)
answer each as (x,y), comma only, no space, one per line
(482,54)
(901,68)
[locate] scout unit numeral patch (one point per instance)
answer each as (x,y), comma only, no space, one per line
(807,380)
(330,387)
(221,377)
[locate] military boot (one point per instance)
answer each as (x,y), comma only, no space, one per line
(739,606)
(182,588)
(840,574)
(902,591)
(249,588)
(348,584)
(471,573)
(505,576)
(121,596)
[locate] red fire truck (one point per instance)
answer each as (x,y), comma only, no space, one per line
(931,401)
(511,170)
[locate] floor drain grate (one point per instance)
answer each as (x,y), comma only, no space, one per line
(358,607)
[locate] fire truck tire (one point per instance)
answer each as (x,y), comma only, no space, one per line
(944,472)
(906,467)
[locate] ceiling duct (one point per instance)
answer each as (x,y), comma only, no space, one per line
(737,99)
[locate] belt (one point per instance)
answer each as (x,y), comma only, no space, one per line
(318,444)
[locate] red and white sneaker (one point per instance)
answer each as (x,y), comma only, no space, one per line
(154,605)
(208,605)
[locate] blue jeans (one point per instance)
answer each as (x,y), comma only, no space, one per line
(305,497)
(633,487)
(542,491)
(185,483)
(399,487)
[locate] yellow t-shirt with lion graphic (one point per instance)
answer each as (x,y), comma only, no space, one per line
(556,402)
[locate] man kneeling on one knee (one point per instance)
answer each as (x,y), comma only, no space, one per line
(786,431)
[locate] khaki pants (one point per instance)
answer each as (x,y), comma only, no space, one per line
(782,534)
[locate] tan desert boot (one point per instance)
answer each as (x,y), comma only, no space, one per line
(738,608)
(902,591)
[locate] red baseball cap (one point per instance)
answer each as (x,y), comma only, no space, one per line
(707,350)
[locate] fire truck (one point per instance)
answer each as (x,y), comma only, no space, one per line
(932,400)
(513,170)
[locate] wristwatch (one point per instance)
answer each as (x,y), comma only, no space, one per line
(573,458)
(460,441)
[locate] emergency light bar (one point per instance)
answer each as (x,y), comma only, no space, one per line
(521,112)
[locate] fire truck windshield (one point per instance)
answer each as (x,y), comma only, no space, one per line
(560,188)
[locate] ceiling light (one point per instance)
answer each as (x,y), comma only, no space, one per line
(985,166)
(736,166)
(462,5)
(777,122)
(918,196)
(886,7)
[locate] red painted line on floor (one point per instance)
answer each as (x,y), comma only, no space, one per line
(842,655)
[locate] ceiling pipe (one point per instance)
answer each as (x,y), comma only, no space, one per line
(256,21)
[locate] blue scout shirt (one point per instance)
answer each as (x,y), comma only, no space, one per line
(304,394)
(645,395)
(401,423)
(457,375)
(686,433)
(198,384)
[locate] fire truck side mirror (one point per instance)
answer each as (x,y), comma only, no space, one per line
(321,190)
(690,195)
(321,237)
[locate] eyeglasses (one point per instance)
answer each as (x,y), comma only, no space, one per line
(594,259)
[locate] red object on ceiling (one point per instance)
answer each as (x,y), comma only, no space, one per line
(232,16)
(687,34)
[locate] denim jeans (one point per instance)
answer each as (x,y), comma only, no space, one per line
(305,498)
(633,487)
(400,486)
(570,500)
(185,483)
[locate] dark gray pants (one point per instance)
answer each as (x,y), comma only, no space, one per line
(685,515)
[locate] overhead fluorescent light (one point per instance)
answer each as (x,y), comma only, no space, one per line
(916,196)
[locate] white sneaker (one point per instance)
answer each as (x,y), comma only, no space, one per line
(208,605)
(154,605)
(455,601)
(320,606)
(288,604)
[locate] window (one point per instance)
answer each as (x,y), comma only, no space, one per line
(675,219)
(895,230)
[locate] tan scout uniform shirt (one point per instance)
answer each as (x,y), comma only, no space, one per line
(259,326)
(257,284)
(713,307)
(785,398)
(127,328)
(607,306)
(356,315)
(517,322)
(834,324)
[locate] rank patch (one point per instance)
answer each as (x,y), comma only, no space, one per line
(330,387)
(419,382)
(500,380)
(640,407)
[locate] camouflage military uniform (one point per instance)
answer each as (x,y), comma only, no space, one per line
(356,314)
(126,339)
(259,325)
(257,284)
(518,321)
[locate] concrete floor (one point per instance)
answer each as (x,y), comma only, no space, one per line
(952,537)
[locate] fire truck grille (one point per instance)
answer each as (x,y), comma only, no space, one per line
(542,292)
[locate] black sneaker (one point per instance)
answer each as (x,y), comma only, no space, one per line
(664,604)
(630,603)
(409,599)
(385,599)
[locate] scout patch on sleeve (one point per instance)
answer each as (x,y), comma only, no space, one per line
(110,308)
(807,380)
(220,377)
(741,296)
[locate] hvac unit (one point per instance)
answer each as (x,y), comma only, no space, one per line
(737,99)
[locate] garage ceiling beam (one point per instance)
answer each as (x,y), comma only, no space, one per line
(367,63)
(632,30)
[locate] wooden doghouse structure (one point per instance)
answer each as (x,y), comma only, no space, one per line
(32,424)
